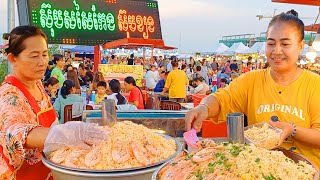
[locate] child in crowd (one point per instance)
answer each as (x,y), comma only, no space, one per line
(51,86)
(223,83)
(101,91)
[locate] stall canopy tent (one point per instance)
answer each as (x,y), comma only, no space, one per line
(130,43)
(313,27)
(258,47)
(83,49)
(235,48)
(305,2)
(220,48)
(133,43)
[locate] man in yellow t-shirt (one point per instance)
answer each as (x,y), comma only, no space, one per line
(176,83)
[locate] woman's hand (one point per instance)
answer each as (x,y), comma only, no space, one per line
(195,117)
(53,93)
(287,129)
(74,134)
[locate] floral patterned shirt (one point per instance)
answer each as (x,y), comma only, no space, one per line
(17,119)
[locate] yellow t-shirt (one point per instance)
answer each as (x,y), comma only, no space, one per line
(176,83)
(259,97)
(100,98)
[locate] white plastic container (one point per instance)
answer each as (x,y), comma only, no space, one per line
(263,136)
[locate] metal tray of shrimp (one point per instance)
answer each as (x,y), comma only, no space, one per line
(290,154)
(178,150)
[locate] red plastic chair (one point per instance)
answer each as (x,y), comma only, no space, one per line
(170,105)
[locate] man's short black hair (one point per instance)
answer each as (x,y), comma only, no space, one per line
(102,83)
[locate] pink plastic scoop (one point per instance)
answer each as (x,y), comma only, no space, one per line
(191,138)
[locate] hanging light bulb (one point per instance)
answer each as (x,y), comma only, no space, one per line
(316,42)
(311,54)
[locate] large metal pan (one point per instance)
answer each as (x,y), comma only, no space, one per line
(61,172)
(292,155)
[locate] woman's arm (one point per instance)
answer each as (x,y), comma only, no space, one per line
(36,138)
(209,108)
(306,135)
(136,103)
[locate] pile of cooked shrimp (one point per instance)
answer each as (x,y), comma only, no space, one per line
(129,145)
(213,161)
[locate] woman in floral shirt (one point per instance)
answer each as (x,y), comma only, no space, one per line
(27,117)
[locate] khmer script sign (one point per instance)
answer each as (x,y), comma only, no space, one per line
(92,22)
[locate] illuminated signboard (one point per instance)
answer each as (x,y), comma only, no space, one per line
(92,22)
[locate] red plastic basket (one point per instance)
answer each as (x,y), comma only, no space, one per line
(211,130)
(197,98)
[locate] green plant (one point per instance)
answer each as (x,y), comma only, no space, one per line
(3,70)
(5,36)
(53,49)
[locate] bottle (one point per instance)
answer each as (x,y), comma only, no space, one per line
(84,93)
(214,88)
(93,96)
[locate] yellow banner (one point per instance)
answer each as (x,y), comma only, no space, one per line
(119,72)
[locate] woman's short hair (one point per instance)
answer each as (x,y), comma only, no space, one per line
(19,34)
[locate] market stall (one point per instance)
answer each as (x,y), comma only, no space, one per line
(130,43)
(119,72)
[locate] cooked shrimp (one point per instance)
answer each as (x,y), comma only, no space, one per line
(152,149)
(120,152)
(72,160)
(140,153)
(206,143)
(93,157)
(204,155)
(220,177)
(60,155)
(185,173)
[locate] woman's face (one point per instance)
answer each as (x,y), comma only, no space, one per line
(35,56)
(127,86)
(61,63)
(283,46)
(54,87)
(82,72)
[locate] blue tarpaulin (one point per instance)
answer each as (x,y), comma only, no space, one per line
(83,49)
